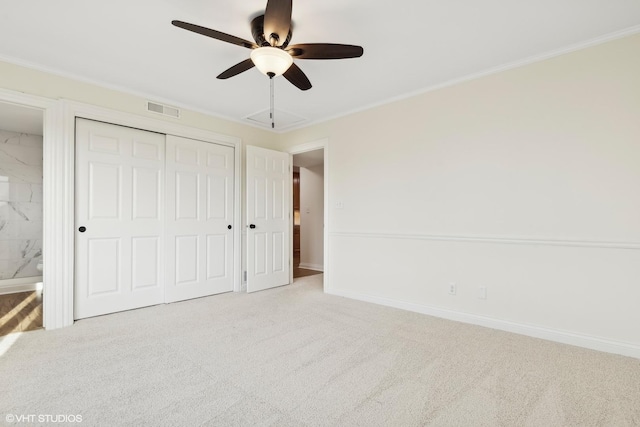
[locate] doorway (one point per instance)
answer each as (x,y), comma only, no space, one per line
(21,218)
(308,213)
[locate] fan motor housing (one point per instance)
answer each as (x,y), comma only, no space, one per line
(257,31)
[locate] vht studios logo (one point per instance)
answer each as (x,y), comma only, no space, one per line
(43,418)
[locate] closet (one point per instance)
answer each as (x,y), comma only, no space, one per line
(154,218)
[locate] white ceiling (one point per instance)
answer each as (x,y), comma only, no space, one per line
(15,118)
(409,46)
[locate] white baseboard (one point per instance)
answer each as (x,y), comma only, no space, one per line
(565,337)
(27,284)
(316,267)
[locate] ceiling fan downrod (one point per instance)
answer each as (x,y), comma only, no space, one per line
(272,101)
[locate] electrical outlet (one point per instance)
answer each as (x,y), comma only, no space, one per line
(452,288)
(482,292)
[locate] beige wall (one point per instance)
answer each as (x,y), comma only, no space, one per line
(525,182)
(21,79)
(476,183)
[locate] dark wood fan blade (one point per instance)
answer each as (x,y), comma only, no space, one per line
(296,77)
(277,20)
(214,34)
(325,51)
(241,67)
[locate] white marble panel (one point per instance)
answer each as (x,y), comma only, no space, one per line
(31,140)
(21,154)
(17,268)
(19,173)
(9,138)
(20,229)
(13,138)
(26,211)
(20,192)
(36,193)
(5,191)
(20,204)
(19,248)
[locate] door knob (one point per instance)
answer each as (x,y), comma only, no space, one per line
(252,226)
(82,229)
(229,226)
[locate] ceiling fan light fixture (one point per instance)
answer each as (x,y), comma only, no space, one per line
(271,60)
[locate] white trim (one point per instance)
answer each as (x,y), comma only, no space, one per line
(511,240)
(23,284)
(309,146)
(291,216)
(315,267)
(303,148)
(238,239)
(565,337)
(54,248)
(93,112)
(494,70)
(326,279)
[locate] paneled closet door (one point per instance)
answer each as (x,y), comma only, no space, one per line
(199,209)
(119,218)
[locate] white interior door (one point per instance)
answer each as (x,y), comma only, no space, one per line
(199,221)
(119,218)
(268,210)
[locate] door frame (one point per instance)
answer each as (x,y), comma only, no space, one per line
(303,148)
(63,164)
(52,249)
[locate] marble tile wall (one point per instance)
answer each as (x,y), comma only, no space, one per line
(20,204)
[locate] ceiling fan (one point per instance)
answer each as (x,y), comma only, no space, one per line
(271,52)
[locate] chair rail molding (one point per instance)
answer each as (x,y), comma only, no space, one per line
(508,240)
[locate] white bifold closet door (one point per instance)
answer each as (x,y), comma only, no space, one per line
(199,218)
(153,218)
(119,218)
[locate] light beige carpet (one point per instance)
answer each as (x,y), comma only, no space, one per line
(294,356)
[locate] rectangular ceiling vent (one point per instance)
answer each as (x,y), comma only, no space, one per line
(165,110)
(283,119)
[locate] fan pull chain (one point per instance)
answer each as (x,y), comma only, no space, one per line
(272,112)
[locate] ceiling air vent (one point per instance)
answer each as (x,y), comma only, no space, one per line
(166,110)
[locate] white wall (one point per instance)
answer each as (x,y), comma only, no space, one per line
(312,217)
(525,181)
